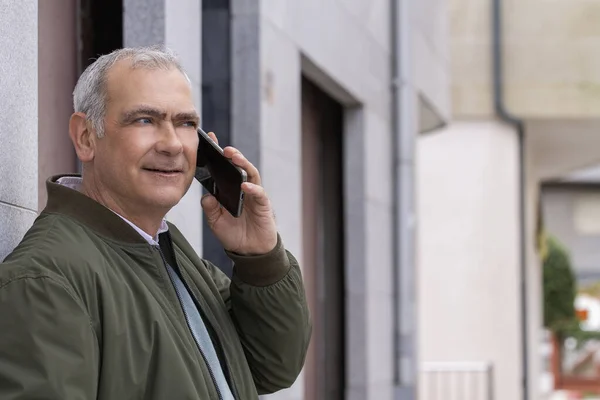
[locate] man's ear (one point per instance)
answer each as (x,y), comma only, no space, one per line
(83,137)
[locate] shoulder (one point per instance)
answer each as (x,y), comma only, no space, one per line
(35,300)
(30,277)
(52,247)
(32,284)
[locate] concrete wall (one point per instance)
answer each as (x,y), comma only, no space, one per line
(470,55)
(344,47)
(18,121)
(552,59)
(431,54)
(468,249)
(177,24)
(551,62)
(571,215)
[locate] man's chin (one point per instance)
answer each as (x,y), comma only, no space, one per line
(165,199)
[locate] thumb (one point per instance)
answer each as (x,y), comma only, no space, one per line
(212,208)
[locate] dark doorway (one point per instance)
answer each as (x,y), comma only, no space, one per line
(100,29)
(99,32)
(323,240)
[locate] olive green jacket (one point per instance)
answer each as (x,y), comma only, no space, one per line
(87,311)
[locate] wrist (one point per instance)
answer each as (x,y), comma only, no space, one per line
(264,269)
(256,251)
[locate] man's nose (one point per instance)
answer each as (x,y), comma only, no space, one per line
(169,142)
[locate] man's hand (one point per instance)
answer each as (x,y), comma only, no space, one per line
(254,232)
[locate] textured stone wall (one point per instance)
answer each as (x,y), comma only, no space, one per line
(18,120)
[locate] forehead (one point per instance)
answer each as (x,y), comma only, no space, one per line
(167,88)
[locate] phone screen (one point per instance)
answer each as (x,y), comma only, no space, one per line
(219,176)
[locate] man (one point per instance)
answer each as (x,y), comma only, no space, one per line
(104,299)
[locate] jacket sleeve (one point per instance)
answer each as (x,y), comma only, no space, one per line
(268,305)
(48,348)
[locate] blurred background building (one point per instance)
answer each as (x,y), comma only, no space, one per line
(524,81)
(404,145)
(571,208)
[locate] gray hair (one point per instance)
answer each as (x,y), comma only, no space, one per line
(90,94)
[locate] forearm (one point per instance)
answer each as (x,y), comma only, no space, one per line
(268,305)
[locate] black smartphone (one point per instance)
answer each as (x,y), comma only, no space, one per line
(219,176)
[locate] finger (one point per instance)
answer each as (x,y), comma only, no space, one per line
(256,193)
(212,209)
(241,161)
(213,137)
(229,151)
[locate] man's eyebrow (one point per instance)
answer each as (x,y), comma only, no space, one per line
(131,115)
(187,116)
(143,110)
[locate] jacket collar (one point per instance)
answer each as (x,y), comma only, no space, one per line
(65,201)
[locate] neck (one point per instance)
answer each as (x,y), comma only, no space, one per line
(148,221)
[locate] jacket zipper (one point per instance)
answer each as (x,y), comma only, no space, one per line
(219,346)
(187,320)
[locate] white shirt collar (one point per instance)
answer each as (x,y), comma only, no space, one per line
(74,182)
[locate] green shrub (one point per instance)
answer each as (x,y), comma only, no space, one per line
(559,289)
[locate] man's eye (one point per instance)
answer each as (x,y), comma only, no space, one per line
(192,124)
(144,120)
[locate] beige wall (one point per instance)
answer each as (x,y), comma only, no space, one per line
(470,55)
(468,249)
(431,55)
(551,58)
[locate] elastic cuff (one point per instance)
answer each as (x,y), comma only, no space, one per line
(262,270)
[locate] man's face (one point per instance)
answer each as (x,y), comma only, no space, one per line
(147,158)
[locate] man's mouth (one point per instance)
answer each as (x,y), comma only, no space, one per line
(164,171)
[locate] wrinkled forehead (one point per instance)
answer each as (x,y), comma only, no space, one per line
(127,83)
(124,69)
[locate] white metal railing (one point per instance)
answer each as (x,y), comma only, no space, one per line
(457,381)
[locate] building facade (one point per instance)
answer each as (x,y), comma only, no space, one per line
(524,80)
(571,214)
(326,97)
(402,143)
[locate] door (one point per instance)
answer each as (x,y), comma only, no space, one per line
(323,240)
